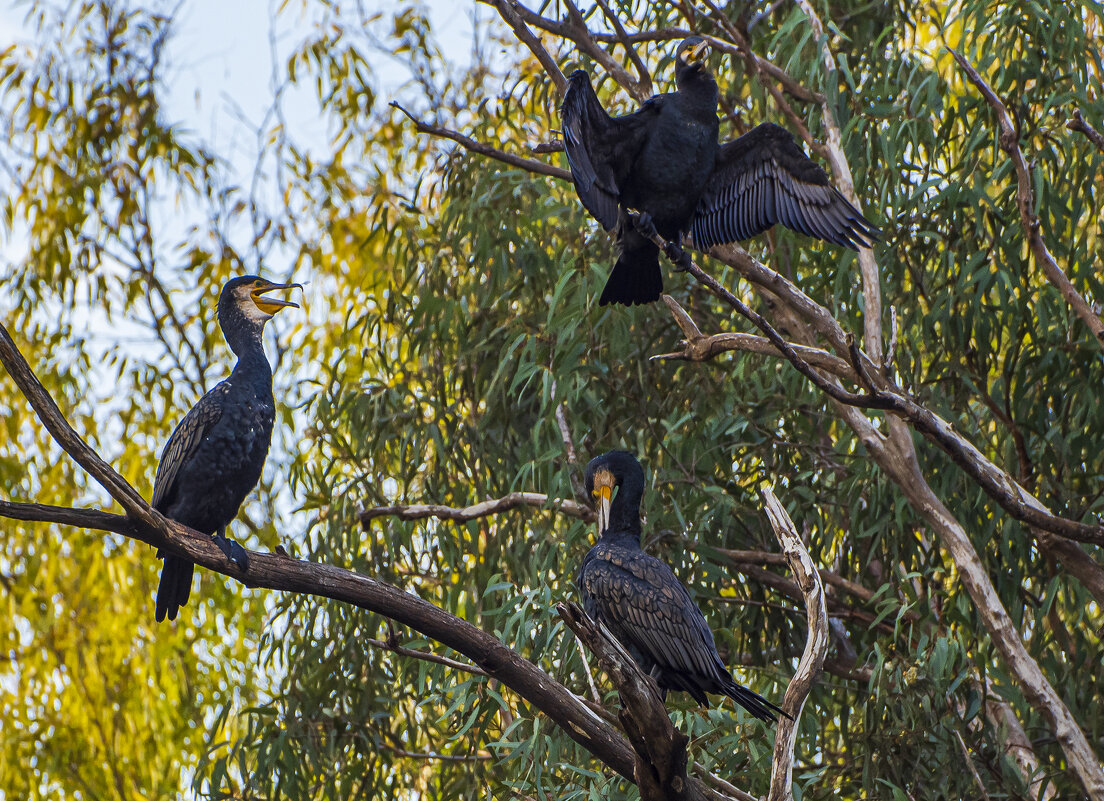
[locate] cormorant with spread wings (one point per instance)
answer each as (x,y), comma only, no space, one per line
(664,162)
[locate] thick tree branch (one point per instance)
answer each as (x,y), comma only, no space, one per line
(1025,199)
(816,647)
(279,572)
(1077,123)
(532,165)
(699,348)
(827,576)
(514,500)
(883,394)
(661,756)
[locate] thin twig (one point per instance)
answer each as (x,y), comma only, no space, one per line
(644,80)
(509,11)
(514,500)
(970,765)
(891,349)
(394,749)
(1077,123)
(590,676)
(425,656)
(531,165)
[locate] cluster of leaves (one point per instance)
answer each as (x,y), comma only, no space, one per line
(455,336)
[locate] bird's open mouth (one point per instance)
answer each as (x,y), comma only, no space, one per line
(272,305)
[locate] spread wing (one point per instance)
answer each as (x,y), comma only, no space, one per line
(764,178)
(642,601)
(600,148)
(183,443)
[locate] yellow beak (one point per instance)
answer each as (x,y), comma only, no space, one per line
(273,305)
(604,496)
(697,52)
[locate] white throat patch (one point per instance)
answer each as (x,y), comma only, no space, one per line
(250,309)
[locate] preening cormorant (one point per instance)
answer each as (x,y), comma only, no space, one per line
(642,602)
(664,162)
(215,455)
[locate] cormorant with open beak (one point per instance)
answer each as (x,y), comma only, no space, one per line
(214,457)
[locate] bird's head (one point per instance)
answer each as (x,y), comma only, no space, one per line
(247,295)
(692,52)
(605,475)
(244,306)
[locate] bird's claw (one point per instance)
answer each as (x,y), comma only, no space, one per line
(678,256)
(236,554)
(645,225)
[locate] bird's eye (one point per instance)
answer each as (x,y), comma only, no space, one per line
(258,282)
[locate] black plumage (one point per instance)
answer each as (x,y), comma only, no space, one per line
(214,457)
(642,602)
(664,161)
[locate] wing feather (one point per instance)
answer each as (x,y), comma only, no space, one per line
(645,605)
(184,442)
(764,178)
(600,149)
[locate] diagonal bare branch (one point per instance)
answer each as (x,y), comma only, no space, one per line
(515,15)
(532,165)
(1025,199)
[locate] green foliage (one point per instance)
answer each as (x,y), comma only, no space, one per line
(453,312)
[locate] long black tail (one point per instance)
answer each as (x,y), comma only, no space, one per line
(636,277)
(175,586)
(754,703)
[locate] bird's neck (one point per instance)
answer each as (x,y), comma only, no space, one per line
(625,514)
(698,87)
(252,363)
(621,537)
